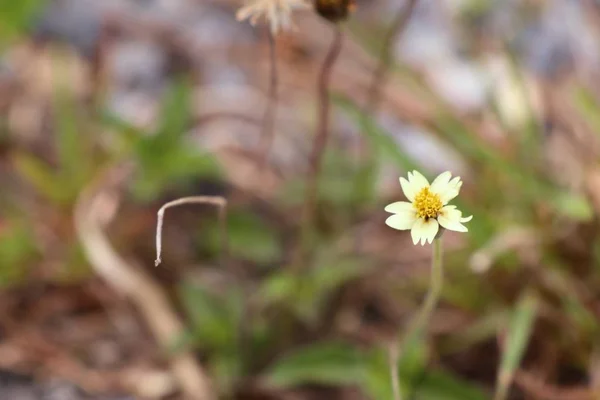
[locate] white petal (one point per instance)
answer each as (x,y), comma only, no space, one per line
(450,218)
(402,221)
(418,180)
(441,182)
(413,185)
(450,191)
(400,207)
(408,189)
(424,231)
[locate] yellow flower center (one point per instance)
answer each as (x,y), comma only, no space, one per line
(427,203)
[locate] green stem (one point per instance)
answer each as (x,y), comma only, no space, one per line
(435,290)
(393,355)
(419,323)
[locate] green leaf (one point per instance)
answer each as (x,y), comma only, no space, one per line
(588,107)
(278,287)
(214,319)
(441,385)
(331,363)
(17,249)
(519,334)
(173,167)
(317,286)
(73,145)
(416,381)
(42,178)
(176,114)
(376,381)
(15,18)
(250,238)
(573,205)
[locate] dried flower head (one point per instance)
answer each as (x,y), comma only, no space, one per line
(277,12)
(334,10)
(428,208)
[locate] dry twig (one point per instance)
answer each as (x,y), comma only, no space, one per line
(268,135)
(95,206)
(322,134)
(217,201)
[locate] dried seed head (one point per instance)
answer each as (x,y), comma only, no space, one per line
(334,10)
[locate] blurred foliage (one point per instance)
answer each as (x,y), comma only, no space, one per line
(519,334)
(250,238)
(17,251)
(164,155)
(15,17)
(76,158)
(257,328)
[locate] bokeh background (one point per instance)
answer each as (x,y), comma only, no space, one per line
(109,109)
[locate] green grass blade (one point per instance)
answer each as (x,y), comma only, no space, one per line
(520,329)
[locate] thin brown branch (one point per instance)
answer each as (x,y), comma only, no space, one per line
(322,132)
(268,134)
(216,201)
(385,58)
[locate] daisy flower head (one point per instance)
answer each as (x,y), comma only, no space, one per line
(427,208)
(277,12)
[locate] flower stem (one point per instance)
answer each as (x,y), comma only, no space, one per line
(393,354)
(419,323)
(320,139)
(435,290)
(268,134)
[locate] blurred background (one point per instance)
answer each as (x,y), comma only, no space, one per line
(109,109)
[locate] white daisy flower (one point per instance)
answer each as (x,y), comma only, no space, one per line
(428,208)
(277,12)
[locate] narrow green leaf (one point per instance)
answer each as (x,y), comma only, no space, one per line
(250,238)
(588,106)
(441,385)
(519,334)
(176,113)
(573,205)
(331,363)
(73,145)
(42,178)
(214,319)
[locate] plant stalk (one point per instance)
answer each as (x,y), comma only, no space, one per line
(268,134)
(321,137)
(420,321)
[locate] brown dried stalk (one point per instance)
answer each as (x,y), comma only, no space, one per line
(268,134)
(216,201)
(322,132)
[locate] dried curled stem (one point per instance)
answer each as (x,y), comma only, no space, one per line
(216,201)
